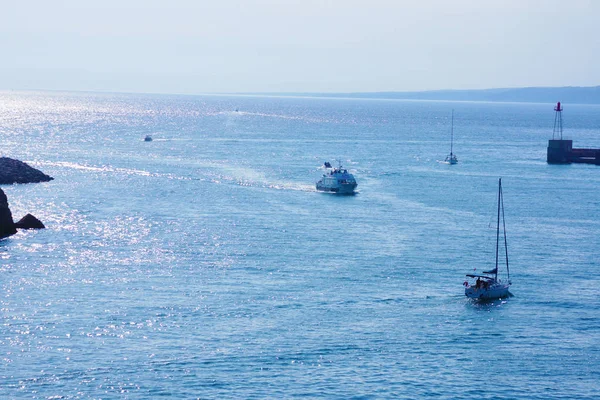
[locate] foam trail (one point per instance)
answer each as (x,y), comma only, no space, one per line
(109,169)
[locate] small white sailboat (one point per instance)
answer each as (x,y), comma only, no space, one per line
(488,286)
(451,158)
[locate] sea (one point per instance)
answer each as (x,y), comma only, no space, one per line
(204,264)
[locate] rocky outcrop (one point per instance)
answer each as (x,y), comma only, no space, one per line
(15,171)
(29,222)
(7,225)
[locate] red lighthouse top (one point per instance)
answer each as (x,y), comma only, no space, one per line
(557,108)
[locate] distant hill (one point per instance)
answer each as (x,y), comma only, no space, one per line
(567,94)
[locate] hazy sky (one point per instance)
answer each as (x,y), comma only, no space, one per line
(187,46)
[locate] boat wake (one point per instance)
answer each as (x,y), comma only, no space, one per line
(225,175)
(262,183)
(172,140)
(271,115)
(109,169)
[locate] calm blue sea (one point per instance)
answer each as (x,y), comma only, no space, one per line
(205,265)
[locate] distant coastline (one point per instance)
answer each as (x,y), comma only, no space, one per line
(567,95)
(564,94)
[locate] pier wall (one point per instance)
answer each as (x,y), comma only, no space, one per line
(562,152)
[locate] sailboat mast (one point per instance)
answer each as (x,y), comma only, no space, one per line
(498,224)
(452,132)
(504,229)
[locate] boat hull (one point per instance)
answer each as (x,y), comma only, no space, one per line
(451,159)
(495,291)
(338,189)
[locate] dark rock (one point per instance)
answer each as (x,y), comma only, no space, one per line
(29,222)
(7,225)
(15,171)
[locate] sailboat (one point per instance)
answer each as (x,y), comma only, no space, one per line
(451,158)
(488,286)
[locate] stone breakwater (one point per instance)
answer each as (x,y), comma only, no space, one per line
(15,171)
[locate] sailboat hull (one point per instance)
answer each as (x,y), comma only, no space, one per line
(494,291)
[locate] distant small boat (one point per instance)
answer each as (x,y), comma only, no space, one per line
(337,180)
(148,138)
(488,286)
(451,158)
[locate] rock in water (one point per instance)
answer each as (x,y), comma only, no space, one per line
(15,171)
(7,225)
(29,222)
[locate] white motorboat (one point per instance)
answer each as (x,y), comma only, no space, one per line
(337,180)
(488,286)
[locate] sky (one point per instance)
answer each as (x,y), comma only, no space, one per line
(236,46)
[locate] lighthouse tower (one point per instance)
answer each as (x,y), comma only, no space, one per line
(559,149)
(558,129)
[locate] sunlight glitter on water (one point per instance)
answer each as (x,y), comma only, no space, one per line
(205,265)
